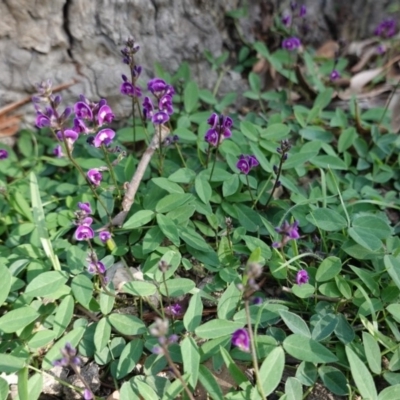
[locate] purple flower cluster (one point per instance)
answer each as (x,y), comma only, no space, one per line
(386,29)
(129,86)
(160,331)
(291,43)
(287,17)
(3,154)
(246,163)
(88,118)
(288,232)
(163,94)
(220,129)
(174,310)
(69,357)
(84,222)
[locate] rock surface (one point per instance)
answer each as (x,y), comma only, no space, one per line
(78,39)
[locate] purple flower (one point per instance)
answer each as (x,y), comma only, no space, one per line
(96,267)
(105,136)
(302,277)
(220,129)
(105,115)
(148,108)
(386,29)
(174,310)
(335,74)
(69,357)
(104,236)
(286,20)
(58,151)
(85,207)
(291,43)
(83,111)
(303,11)
(157,87)
(289,230)
(42,120)
(165,104)
(87,395)
(257,301)
(69,134)
(159,118)
(84,232)
(3,154)
(381,49)
(80,127)
(240,338)
(130,90)
(246,163)
(94,176)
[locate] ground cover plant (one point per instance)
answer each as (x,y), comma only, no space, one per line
(145,260)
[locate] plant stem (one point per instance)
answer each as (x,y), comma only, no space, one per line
(248,188)
(278,174)
(180,154)
(111,169)
(253,350)
(176,371)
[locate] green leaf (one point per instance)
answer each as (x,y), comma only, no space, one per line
(82,289)
(306,373)
(203,189)
(334,380)
(10,363)
(167,185)
(231,185)
(210,384)
(177,287)
(35,385)
(306,349)
(193,239)
(191,360)
(139,288)
(139,219)
(46,284)
(293,389)
(238,376)
(168,228)
(183,175)
(127,324)
(3,389)
(193,314)
(392,265)
(41,339)
(324,327)
(174,389)
(40,222)
(23,393)
(295,323)
(374,225)
(18,319)
(327,219)
(275,132)
(73,337)
(255,82)
(173,201)
(390,393)
(249,130)
(5,283)
(63,315)
(328,269)
(20,205)
(106,300)
(344,331)
(217,328)
(362,377)
(191,97)
(228,302)
(329,162)
(271,370)
(365,239)
(372,352)
(129,357)
(346,138)
(102,334)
